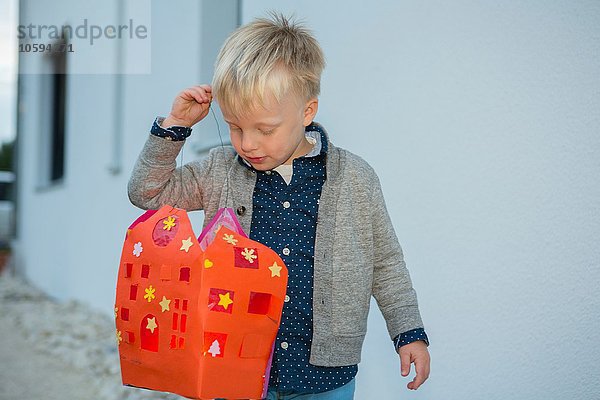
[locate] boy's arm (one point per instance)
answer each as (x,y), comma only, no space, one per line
(392,286)
(395,295)
(155,180)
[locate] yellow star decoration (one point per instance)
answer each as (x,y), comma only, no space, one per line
(169,223)
(225,300)
(208,263)
(150,293)
(230,239)
(151,324)
(186,244)
(249,255)
(119,338)
(275,270)
(164,304)
(116,311)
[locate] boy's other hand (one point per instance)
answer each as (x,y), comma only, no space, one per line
(415,352)
(190,106)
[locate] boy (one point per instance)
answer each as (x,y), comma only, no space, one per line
(319,207)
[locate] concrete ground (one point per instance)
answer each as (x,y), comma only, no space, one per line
(26,373)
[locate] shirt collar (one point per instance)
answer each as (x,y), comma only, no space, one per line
(315,132)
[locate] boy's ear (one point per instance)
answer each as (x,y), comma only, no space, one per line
(310,110)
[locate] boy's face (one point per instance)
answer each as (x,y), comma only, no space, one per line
(272,134)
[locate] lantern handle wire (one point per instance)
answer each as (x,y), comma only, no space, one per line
(222,147)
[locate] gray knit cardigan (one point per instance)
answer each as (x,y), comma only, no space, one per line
(356,255)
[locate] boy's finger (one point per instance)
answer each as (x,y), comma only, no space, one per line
(207,88)
(404,363)
(191,94)
(203,89)
(422,373)
(201,95)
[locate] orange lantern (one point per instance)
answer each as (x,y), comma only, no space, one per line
(197,317)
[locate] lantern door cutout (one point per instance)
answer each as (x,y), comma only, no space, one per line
(149,333)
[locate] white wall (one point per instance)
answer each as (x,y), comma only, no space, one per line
(70,234)
(482,121)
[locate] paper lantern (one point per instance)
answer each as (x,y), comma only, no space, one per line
(199,321)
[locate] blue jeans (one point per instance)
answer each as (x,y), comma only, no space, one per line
(345,392)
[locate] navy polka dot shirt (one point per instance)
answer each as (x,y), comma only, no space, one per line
(284,217)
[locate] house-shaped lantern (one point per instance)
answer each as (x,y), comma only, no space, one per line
(199,321)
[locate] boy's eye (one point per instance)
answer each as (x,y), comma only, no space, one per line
(266,132)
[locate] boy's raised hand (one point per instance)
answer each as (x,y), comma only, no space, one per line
(415,352)
(190,106)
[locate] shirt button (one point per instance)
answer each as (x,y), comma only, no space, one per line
(286,298)
(268,172)
(286,204)
(286,251)
(284,345)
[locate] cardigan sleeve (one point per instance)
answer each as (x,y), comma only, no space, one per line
(156,181)
(392,286)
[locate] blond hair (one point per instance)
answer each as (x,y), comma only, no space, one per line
(269,56)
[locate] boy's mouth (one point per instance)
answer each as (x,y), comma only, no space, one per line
(256,160)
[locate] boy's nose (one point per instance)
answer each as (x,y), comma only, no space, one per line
(249,142)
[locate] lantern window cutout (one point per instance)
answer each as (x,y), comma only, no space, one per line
(184,305)
(145,271)
(246,257)
(165,230)
(149,330)
(177,304)
(259,303)
(214,344)
(133,289)
(129,337)
(255,346)
(165,272)
(125,314)
(183,323)
(128,270)
(221,300)
(184,274)
(177,343)
(175,325)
